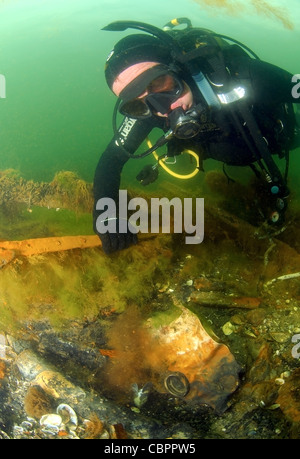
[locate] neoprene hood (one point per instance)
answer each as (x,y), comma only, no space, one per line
(133,49)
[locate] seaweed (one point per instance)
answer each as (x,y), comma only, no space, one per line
(261,7)
(67,190)
(94,427)
(76,193)
(36,402)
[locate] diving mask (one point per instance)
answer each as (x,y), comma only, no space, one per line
(151,92)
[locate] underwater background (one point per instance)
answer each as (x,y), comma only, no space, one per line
(101,321)
(58,109)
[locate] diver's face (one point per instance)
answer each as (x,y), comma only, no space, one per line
(166,93)
(165,84)
(185,101)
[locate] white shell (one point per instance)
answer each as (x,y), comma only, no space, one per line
(68,415)
(51,420)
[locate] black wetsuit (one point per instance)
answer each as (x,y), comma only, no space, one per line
(269,98)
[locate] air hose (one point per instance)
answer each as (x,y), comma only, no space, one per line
(174,174)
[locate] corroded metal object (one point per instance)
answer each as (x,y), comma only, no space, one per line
(29,247)
(199,369)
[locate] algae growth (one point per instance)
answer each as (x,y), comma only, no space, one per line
(261,7)
(67,190)
(142,286)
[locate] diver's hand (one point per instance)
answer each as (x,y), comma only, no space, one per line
(115,241)
(147,175)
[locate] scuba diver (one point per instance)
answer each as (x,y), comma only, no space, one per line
(208,93)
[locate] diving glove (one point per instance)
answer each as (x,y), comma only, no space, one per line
(148,174)
(115,241)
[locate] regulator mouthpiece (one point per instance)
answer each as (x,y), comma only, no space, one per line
(184,125)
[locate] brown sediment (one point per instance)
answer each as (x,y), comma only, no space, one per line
(247,302)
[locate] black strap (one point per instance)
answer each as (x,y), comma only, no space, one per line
(258,146)
(255,142)
(201,52)
(261,151)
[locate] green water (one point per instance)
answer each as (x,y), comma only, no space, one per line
(57,111)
